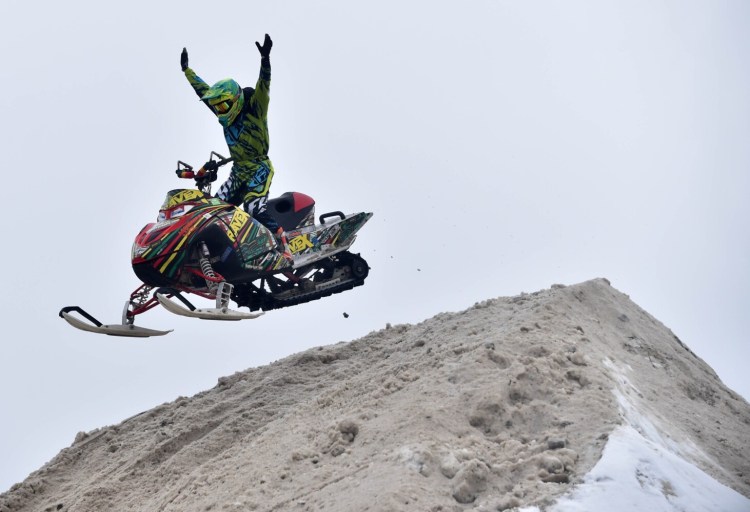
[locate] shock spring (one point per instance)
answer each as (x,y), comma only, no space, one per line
(206,268)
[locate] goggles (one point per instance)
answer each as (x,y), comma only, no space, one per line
(222,107)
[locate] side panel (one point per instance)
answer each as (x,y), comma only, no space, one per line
(161,249)
(251,248)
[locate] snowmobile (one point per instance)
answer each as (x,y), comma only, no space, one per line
(204,246)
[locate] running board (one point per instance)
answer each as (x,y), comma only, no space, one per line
(205,314)
(94,325)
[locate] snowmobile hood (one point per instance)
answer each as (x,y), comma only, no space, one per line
(178,202)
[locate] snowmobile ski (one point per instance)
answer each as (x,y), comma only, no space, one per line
(93,325)
(218,313)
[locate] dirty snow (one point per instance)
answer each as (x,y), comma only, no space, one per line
(567,399)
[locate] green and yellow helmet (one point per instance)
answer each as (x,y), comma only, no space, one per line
(226,99)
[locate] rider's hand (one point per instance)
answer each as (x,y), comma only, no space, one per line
(184,59)
(211,165)
(265,50)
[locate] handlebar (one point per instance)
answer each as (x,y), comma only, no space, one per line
(202,175)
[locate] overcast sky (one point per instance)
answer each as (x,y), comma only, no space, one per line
(503,146)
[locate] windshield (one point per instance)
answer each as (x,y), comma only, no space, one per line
(180,196)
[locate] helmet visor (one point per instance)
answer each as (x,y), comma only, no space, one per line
(222,107)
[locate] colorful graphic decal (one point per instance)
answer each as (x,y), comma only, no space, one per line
(161,244)
(253,242)
(307,241)
(269,262)
(176,197)
(351,225)
(300,243)
(238,221)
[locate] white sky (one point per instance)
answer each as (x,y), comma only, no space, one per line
(503,146)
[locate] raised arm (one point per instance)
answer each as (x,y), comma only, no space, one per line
(199,86)
(263,86)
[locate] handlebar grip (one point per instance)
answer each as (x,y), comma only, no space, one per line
(186,171)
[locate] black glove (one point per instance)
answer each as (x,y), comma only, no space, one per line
(264,50)
(184,59)
(211,165)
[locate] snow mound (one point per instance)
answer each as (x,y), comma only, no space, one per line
(567,399)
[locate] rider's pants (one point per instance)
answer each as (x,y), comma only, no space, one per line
(251,190)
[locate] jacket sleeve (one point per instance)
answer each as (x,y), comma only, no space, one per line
(199,86)
(262,87)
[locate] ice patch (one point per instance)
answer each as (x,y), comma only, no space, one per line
(634,414)
(637,474)
(642,468)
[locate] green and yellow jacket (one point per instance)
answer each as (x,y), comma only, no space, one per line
(247,136)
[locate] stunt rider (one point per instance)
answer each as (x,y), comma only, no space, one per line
(243,113)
